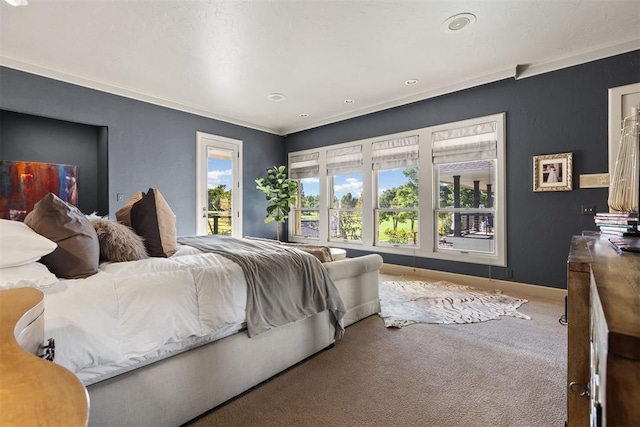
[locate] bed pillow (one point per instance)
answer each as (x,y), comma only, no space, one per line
(78,252)
(20,245)
(33,275)
(155,222)
(323,253)
(124,213)
(118,243)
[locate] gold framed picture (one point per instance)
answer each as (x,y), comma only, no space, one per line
(553,172)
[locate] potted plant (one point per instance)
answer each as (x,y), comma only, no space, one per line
(280,193)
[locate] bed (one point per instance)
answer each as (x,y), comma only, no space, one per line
(176,389)
(161,340)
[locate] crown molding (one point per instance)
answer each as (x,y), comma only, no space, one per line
(127,93)
(431,93)
(519,71)
(530,70)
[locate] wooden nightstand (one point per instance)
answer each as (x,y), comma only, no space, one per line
(34,391)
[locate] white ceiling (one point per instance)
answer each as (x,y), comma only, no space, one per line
(222,59)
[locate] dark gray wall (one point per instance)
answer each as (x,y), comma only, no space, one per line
(561,111)
(149,145)
(37,139)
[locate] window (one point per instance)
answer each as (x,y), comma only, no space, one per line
(395,163)
(436,192)
(344,169)
(465,159)
(305,168)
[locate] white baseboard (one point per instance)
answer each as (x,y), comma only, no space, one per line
(513,288)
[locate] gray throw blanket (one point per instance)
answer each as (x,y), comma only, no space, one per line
(284,284)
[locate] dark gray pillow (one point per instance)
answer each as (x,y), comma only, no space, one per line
(155,222)
(78,252)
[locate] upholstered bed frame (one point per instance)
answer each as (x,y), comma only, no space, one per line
(172,391)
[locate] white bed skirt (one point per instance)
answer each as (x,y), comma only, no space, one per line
(177,389)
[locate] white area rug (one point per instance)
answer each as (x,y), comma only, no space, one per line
(405,303)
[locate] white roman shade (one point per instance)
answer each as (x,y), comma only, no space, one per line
(468,143)
(304,166)
(395,153)
(344,160)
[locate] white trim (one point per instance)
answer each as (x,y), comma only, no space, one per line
(530,70)
(127,93)
(202,141)
(426,236)
(513,288)
(516,71)
(432,93)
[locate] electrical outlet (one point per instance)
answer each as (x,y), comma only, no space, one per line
(509,273)
(588,209)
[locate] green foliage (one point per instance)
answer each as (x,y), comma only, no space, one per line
(350,225)
(405,196)
(445,224)
(219,198)
(466,197)
(400,236)
(308,201)
(280,193)
(349,202)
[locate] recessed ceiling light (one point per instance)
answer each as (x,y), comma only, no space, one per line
(303,115)
(457,23)
(276,97)
(17,2)
(411,82)
(349,101)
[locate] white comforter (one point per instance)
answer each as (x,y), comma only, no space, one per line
(134,313)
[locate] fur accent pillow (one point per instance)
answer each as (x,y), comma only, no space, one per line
(323,253)
(118,243)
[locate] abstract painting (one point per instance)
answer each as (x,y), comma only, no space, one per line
(23,184)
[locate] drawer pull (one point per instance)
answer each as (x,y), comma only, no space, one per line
(579,389)
(48,352)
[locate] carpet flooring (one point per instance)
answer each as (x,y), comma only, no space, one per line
(505,372)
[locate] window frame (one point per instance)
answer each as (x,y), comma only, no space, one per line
(428,196)
(203,141)
(297,209)
(377,210)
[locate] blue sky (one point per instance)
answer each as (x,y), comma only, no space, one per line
(218,172)
(353,183)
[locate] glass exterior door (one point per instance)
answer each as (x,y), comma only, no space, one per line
(219,186)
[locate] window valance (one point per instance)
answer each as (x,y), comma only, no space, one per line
(395,153)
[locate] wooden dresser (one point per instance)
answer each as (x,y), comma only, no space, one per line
(603,354)
(34,391)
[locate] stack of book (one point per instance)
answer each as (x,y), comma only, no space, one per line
(618,224)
